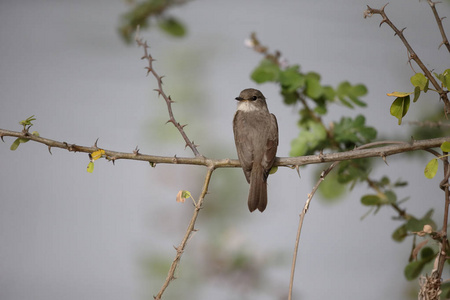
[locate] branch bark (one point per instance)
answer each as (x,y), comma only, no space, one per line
(378,150)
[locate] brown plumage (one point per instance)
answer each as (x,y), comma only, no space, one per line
(256,137)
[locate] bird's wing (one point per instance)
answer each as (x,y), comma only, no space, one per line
(243,146)
(271,146)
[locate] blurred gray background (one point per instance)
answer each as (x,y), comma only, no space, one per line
(68,234)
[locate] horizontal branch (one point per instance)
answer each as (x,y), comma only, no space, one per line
(378,149)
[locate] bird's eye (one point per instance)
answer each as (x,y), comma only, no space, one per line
(254,98)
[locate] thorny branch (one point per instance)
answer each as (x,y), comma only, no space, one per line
(378,149)
(439,23)
(169,101)
(189,231)
(412,55)
(300,223)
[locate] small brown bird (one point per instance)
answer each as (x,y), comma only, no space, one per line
(256,137)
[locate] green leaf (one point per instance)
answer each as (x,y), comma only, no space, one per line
(27,121)
(291,79)
(329,93)
(427,254)
(446,81)
(186,194)
(370,200)
(419,80)
(444,78)
(400,233)
(400,107)
(413,270)
(414,224)
(172,26)
(359,90)
(313,87)
(312,136)
(391,197)
(321,110)
(273,170)
(17,142)
(416,93)
(346,91)
(266,71)
(445,147)
(289,98)
(350,132)
(353,170)
(431,168)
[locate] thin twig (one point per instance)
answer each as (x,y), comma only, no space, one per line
(189,231)
(443,233)
(412,54)
(300,224)
(439,23)
(169,101)
(430,124)
(316,186)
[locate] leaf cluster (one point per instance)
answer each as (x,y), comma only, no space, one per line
(401,104)
(305,91)
(27,124)
(314,98)
(143,13)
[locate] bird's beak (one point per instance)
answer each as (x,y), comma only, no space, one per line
(239,98)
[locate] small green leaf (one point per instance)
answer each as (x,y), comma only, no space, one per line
(289,98)
(446,81)
(445,146)
(400,233)
(311,137)
(172,26)
(266,71)
(391,197)
(273,170)
(15,144)
(431,168)
(329,93)
(359,90)
(416,93)
(313,87)
(427,254)
(370,200)
(400,107)
(413,270)
(291,79)
(414,224)
(186,194)
(27,121)
(444,78)
(419,80)
(90,167)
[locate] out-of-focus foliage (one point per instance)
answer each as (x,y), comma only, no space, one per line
(144,13)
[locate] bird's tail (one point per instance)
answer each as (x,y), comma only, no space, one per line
(257,196)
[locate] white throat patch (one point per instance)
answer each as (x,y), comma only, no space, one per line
(246,106)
